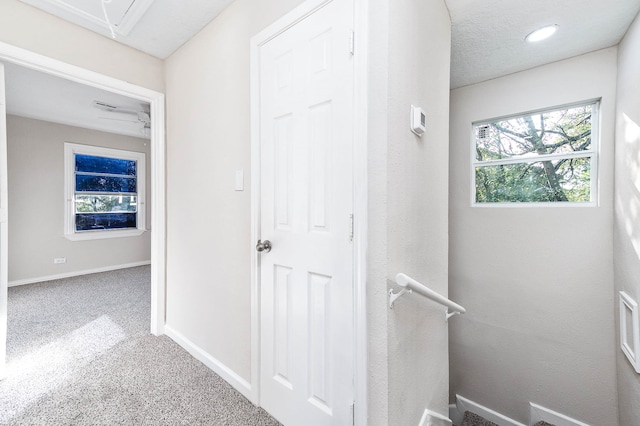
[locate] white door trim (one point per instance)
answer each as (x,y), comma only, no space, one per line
(4,217)
(25,58)
(360,191)
(360,207)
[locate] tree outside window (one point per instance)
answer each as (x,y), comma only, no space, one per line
(104,192)
(543,157)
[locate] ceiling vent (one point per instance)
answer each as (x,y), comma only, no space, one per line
(122,15)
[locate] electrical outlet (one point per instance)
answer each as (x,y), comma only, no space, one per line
(60,260)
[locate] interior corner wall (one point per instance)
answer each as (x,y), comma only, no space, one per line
(537,282)
(376,288)
(417,206)
(30,28)
(626,249)
(36,203)
(208,222)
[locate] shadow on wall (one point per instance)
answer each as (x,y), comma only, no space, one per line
(630,207)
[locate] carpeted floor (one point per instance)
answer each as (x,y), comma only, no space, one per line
(80,352)
(473,419)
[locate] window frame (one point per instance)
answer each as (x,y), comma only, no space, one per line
(593,153)
(70,232)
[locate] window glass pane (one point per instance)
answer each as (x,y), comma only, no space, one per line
(549,132)
(106,203)
(106,190)
(90,222)
(91,183)
(114,166)
(542,181)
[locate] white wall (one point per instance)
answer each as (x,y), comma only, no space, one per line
(417,206)
(627,208)
(377,238)
(208,139)
(537,282)
(36,203)
(29,28)
(208,251)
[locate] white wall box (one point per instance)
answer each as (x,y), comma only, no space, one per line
(630,330)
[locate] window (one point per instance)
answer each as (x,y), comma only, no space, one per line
(104,192)
(546,157)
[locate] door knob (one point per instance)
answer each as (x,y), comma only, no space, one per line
(263,246)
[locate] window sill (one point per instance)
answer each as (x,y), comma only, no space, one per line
(101,235)
(525,204)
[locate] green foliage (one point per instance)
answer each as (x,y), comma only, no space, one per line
(105,203)
(531,139)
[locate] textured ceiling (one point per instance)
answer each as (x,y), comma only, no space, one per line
(165,26)
(487,42)
(41,96)
(488,35)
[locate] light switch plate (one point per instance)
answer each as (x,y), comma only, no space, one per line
(239,180)
(418,120)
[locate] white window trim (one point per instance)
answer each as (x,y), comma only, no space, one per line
(70,149)
(594,153)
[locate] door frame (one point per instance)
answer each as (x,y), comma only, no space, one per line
(360,113)
(4,217)
(35,61)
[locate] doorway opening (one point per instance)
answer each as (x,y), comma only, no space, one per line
(156,224)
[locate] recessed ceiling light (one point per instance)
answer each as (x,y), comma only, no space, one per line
(541,33)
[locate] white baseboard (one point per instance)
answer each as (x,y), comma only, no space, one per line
(431,418)
(455,415)
(463,404)
(240,384)
(540,413)
(77,273)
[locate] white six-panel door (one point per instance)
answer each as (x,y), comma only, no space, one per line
(4,262)
(306,283)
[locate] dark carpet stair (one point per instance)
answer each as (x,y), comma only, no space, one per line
(473,419)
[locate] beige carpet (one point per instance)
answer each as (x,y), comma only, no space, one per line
(80,353)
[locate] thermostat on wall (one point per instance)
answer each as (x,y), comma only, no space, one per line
(418,120)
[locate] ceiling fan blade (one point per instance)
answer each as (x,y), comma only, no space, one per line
(140,112)
(118,119)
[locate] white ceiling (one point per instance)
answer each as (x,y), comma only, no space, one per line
(488,35)
(487,42)
(41,96)
(163,27)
